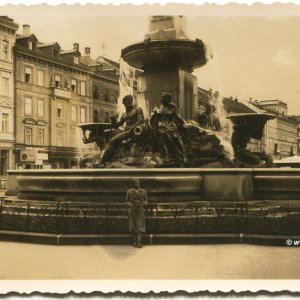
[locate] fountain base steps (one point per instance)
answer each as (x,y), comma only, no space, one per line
(182,202)
(148,239)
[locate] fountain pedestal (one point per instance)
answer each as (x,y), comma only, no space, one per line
(182,85)
(167,58)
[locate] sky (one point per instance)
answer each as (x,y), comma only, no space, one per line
(256,51)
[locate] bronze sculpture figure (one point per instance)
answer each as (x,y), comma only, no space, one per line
(170,127)
(133,117)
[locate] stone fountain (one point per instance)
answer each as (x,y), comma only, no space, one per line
(167,58)
(187,201)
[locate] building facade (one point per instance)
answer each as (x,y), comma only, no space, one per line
(53,95)
(8,30)
(280,134)
(297,117)
(280,138)
(104,87)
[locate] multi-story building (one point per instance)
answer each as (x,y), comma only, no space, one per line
(8,30)
(280,136)
(297,118)
(53,89)
(104,86)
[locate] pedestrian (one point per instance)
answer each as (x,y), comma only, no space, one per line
(136,199)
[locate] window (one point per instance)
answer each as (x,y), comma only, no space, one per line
(106,95)
(28,136)
(60,137)
(59,110)
(57,81)
(106,117)
(28,75)
(115,97)
(82,88)
(82,115)
(4,122)
(28,106)
(95,116)
(3,161)
(95,92)
(40,137)
(40,108)
(30,45)
(73,85)
(74,113)
(135,83)
(5,47)
(5,86)
(76,60)
(55,53)
(40,74)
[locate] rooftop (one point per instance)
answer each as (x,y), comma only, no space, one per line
(53,44)
(8,22)
(233,105)
(73,51)
(19,36)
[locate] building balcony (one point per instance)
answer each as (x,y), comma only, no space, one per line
(61,93)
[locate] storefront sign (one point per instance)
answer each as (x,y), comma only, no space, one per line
(42,156)
(28,155)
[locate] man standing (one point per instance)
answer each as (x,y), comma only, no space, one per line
(136,199)
(133,117)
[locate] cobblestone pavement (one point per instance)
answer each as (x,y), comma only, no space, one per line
(229,261)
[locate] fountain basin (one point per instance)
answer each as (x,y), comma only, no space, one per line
(110,185)
(251,124)
(165,54)
(163,185)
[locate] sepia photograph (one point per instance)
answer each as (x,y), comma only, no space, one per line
(150,143)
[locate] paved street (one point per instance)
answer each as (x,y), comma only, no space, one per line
(32,261)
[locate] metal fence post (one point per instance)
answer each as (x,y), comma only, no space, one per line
(28,216)
(196,217)
(106,217)
(66,217)
(156,218)
(1,212)
(57,217)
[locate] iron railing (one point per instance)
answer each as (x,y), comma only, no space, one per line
(179,217)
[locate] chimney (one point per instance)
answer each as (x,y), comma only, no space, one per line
(87,51)
(76,46)
(26,29)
